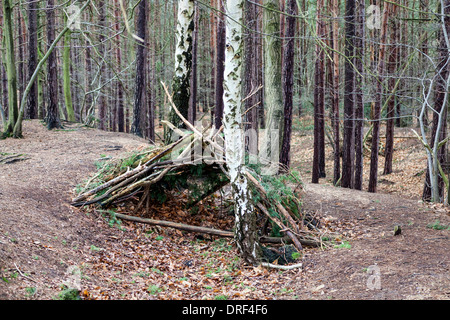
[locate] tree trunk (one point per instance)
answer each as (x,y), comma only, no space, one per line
(392,64)
(433,187)
(335,94)
(318,170)
(288,82)
(273,92)
(377,107)
(183,65)
(245,224)
(192,111)
(141,59)
(349,87)
(119,113)
(359,104)
(101,49)
(219,66)
(52,118)
(8,34)
(249,105)
(66,76)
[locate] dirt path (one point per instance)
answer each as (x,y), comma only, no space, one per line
(42,237)
(39,229)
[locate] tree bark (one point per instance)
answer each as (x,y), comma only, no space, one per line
(219,66)
(288,82)
(377,107)
(183,64)
(141,65)
(66,76)
(101,38)
(349,87)
(273,92)
(8,34)
(359,104)
(245,220)
(392,64)
(251,115)
(433,191)
(192,111)
(119,112)
(52,118)
(335,93)
(318,170)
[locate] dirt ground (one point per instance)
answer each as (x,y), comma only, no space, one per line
(45,243)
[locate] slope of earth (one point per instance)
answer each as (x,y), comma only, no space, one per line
(45,243)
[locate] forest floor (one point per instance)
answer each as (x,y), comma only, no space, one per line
(46,243)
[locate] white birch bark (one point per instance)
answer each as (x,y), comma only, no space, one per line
(183,37)
(245,231)
(183,63)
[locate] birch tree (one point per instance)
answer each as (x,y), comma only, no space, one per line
(183,64)
(245,219)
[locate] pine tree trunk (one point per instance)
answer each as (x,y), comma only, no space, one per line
(359,104)
(335,94)
(288,82)
(219,66)
(318,170)
(141,59)
(119,113)
(52,118)
(392,63)
(192,111)
(102,50)
(373,177)
(349,87)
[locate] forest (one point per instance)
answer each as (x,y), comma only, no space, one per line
(224,149)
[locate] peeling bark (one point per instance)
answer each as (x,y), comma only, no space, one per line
(245,223)
(183,64)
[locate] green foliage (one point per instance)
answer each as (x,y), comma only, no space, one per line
(344,245)
(279,189)
(438,226)
(154,289)
(31,291)
(68,294)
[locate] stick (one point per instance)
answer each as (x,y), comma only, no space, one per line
(187,123)
(279,207)
(176,225)
(276,266)
(198,229)
(294,239)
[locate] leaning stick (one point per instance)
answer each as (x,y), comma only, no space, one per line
(289,233)
(187,123)
(280,208)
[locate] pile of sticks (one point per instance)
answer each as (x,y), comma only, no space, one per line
(153,166)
